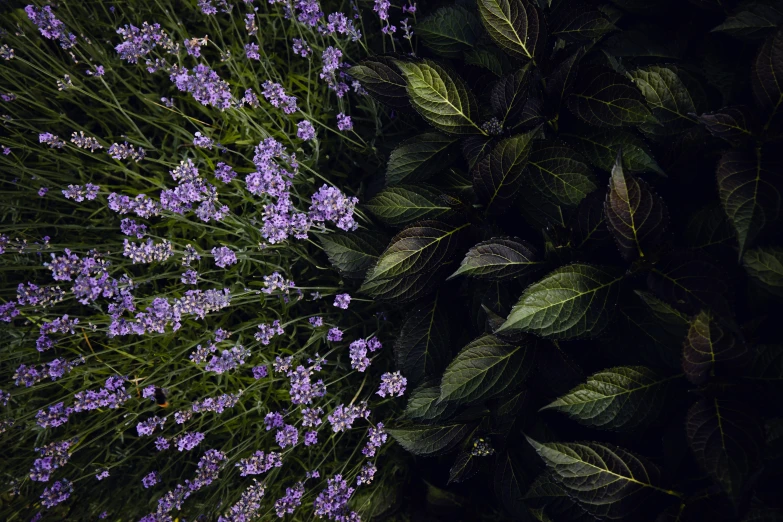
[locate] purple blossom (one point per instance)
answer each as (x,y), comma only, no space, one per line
(290,501)
(266,332)
(193,46)
(42,191)
(376,437)
(121,151)
(251,99)
(161,444)
(329,204)
(228,360)
(56,493)
(50,139)
(138,43)
(129,227)
(259,463)
(332,502)
(148,392)
(224,256)
(366,474)
(102,474)
(4,398)
(216,404)
(311,417)
(49,26)
(316,321)
(308,12)
(248,505)
(342,301)
(343,417)
(358,354)
(52,456)
(203,142)
(275,94)
(374,344)
(287,436)
(210,7)
(79,193)
(224,172)
(8,311)
(85,142)
(148,252)
(311,438)
(189,277)
(305,130)
(188,440)
(251,51)
(392,384)
(301,48)
(273,420)
(150,479)
(334,335)
(259,372)
(147,427)
(203,84)
(344,122)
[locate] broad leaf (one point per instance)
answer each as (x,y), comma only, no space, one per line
(441,97)
(486,58)
(423,346)
(424,404)
(561,79)
(560,172)
(405,203)
(418,157)
(589,223)
(657,329)
(476,148)
(384,83)
(636,215)
(496,178)
(352,253)
(604,98)
(730,123)
(606,481)
(550,499)
(465,466)
(690,282)
(753,20)
(617,398)
(645,40)
(573,301)
(727,440)
(449,31)
(499,259)
(508,484)
(539,209)
(486,367)
(509,95)
(667,96)
(601,149)
(766,73)
(581,24)
(431,440)
(708,228)
(515,25)
(765,265)
(706,345)
(749,185)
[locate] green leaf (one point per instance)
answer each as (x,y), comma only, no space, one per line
(561,79)
(753,20)
(559,171)
(706,345)
(539,209)
(416,158)
(637,216)
(748,183)
(589,223)
(667,96)
(658,329)
(646,40)
(604,98)
(352,253)
(424,404)
(765,265)
(464,467)
(708,227)
(508,484)
(767,364)
(431,440)
(730,123)
(765,76)
(509,94)
(486,58)
(499,259)
(573,301)
(382,81)
(582,25)
(496,178)
(515,25)
(456,181)
(484,368)
(449,31)
(606,481)
(601,148)
(551,499)
(423,346)
(623,398)
(442,98)
(476,148)
(405,203)
(727,440)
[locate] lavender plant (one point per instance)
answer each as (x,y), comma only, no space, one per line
(175,343)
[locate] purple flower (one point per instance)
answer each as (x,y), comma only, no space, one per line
(129,227)
(228,360)
(392,384)
(273,420)
(102,474)
(189,277)
(224,256)
(344,122)
(342,301)
(274,94)
(147,427)
(266,332)
(343,417)
(329,204)
(334,335)
(311,417)
(50,139)
(148,392)
(125,150)
(4,398)
(148,252)
(376,437)
(42,191)
(8,311)
(366,474)
(358,354)
(311,438)
(291,500)
(287,436)
(56,493)
(301,48)
(138,43)
(188,440)
(316,321)
(305,130)
(259,463)
(259,372)
(203,141)
(251,51)
(203,84)
(216,404)
(374,344)
(56,415)
(85,142)
(52,456)
(6,151)
(193,46)
(332,502)
(224,173)
(150,479)
(161,444)
(79,193)
(49,26)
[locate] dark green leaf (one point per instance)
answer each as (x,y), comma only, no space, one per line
(765,265)
(485,58)
(457,182)
(766,73)
(551,499)
(418,157)
(753,20)
(706,345)
(424,404)
(667,96)
(579,24)
(730,123)
(423,346)
(449,31)
(509,95)
(442,98)
(749,182)
(589,223)
(532,114)
(690,282)
(558,171)
(601,149)
(496,178)
(515,25)
(637,216)
(708,227)
(352,253)
(539,209)
(561,80)
(573,301)
(431,440)
(604,98)
(606,481)
(486,367)
(657,329)
(464,467)
(499,259)
(474,149)
(727,440)
(618,398)
(382,81)
(645,40)
(508,484)
(405,203)
(767,364)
